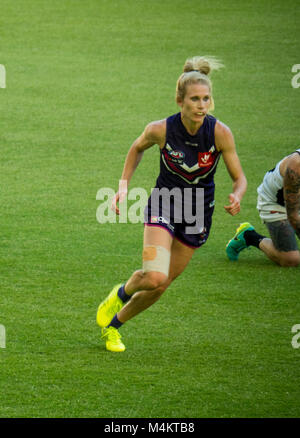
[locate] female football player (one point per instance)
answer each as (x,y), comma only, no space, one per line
(191,143)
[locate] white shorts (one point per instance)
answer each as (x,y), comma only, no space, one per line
(269,211)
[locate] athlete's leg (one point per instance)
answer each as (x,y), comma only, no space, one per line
(282,248)
(156,262)
(180,257)
(140,280)
(144,287)
(282,258)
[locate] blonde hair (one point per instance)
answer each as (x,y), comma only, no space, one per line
(196,70)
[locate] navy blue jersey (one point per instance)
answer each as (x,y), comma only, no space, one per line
(188,160)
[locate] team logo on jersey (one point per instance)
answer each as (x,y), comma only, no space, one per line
(176,156)
(161,220)
(202,235)
(205,159)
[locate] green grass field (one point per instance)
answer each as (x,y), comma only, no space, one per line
(83,78)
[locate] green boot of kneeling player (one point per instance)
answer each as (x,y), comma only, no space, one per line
(244,237)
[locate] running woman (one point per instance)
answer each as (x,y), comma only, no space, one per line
(278,203)
(191,143)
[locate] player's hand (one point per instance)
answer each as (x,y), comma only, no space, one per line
(117,199)
(234,205)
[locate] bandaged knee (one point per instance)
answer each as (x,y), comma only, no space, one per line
(156,258)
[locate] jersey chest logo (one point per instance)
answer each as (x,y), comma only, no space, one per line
(205,159)
(176,156)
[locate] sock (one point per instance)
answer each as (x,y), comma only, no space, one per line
(123,295)
(252,238)
(115,322)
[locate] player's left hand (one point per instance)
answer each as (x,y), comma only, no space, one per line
(234,207)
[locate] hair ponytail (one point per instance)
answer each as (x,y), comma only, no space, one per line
(203,64)
(197,70)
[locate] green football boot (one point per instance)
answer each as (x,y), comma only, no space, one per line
(238,243)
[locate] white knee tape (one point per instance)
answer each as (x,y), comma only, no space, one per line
(156,258)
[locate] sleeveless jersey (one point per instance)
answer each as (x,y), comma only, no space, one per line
(188,160)
(271,189)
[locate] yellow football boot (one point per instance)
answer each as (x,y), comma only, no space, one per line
(112,339)
(109,307)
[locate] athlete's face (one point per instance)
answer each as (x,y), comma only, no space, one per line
(196,103)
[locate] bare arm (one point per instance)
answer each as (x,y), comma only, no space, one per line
(291,190)
(154,133)
(225,143)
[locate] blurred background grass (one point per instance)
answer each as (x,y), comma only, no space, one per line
(83,79)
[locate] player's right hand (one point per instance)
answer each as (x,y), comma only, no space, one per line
(117,199)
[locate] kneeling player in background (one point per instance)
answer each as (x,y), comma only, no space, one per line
(278,204)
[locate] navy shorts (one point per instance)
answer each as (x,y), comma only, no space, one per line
(189,233)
